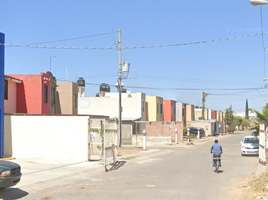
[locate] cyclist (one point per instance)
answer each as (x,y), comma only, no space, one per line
(216,149)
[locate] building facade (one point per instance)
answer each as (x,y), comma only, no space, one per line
(10,94)
(169,107)
(133,111)
(36,94)
(67,98)
(190,113)
(154,105)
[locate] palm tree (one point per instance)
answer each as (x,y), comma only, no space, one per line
(263,115)
(260,117)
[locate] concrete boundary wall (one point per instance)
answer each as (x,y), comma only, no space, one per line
(151,140)
(165,129)
(208,126)
(63,138)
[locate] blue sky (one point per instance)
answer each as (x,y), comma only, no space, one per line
(230,71)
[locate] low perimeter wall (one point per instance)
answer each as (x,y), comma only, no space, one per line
(151,140)
(63,138)
(167,129)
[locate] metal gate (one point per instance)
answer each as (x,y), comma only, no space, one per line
(110,142)
(95,142)
(103,140)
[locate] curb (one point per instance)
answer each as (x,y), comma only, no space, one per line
(7,158)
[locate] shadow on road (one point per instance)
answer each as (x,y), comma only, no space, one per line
(116,166)
(12,193)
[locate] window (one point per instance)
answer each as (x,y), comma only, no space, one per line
(143,106)
(161,108)
(6,90)
(45,93)
(75,100)
(52,95)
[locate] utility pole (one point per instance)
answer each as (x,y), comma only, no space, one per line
(120,90)
(203,104)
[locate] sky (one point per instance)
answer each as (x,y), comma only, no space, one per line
(176,49)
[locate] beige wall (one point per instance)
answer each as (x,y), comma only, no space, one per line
(154,108)
(209,127)
(67,92)
(190,113)
(10,104)
(63,138)
(198,113)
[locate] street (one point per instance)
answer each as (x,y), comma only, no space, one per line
(174,173)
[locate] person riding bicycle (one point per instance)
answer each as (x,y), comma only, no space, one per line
(216,149)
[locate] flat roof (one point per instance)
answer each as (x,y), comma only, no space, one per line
(8,78)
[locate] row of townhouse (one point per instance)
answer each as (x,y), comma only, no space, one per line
(42,94)
(39,94)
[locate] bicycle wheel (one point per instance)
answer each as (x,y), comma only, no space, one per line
(216,166)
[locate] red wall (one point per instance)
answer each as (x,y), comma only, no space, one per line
(45,81)
(168,106)
(30,94)
(213,114)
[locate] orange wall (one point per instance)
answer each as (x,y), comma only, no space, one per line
(168,107)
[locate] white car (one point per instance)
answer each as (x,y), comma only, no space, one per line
(250,146)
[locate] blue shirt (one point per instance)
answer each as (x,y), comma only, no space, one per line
(216,149)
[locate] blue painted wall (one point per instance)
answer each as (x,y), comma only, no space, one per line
(2,63)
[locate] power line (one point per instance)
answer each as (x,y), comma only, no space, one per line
(76,38)
(182,89)
(137,47)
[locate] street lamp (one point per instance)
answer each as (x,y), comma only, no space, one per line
(258,2)
(50,62)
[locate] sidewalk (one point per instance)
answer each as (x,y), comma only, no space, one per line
(37,171)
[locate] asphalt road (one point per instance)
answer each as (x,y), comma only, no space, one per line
(174,173)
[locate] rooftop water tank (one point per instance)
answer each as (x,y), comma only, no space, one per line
(81,82)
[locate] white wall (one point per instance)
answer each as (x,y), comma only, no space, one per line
(108,105)
(48,137)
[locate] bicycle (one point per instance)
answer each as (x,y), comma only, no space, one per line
(216,163)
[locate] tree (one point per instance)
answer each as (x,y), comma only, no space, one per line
(260,116)
(245,122)
(263,115)
(246,112)
(238,120)
(229,118)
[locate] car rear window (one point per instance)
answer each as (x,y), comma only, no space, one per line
(251,140)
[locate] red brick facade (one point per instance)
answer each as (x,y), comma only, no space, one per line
(163,129)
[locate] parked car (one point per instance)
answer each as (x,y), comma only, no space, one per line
(194,131)
(250,146)
(10,174)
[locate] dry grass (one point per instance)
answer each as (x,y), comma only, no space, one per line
(259,184)
(251,188)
